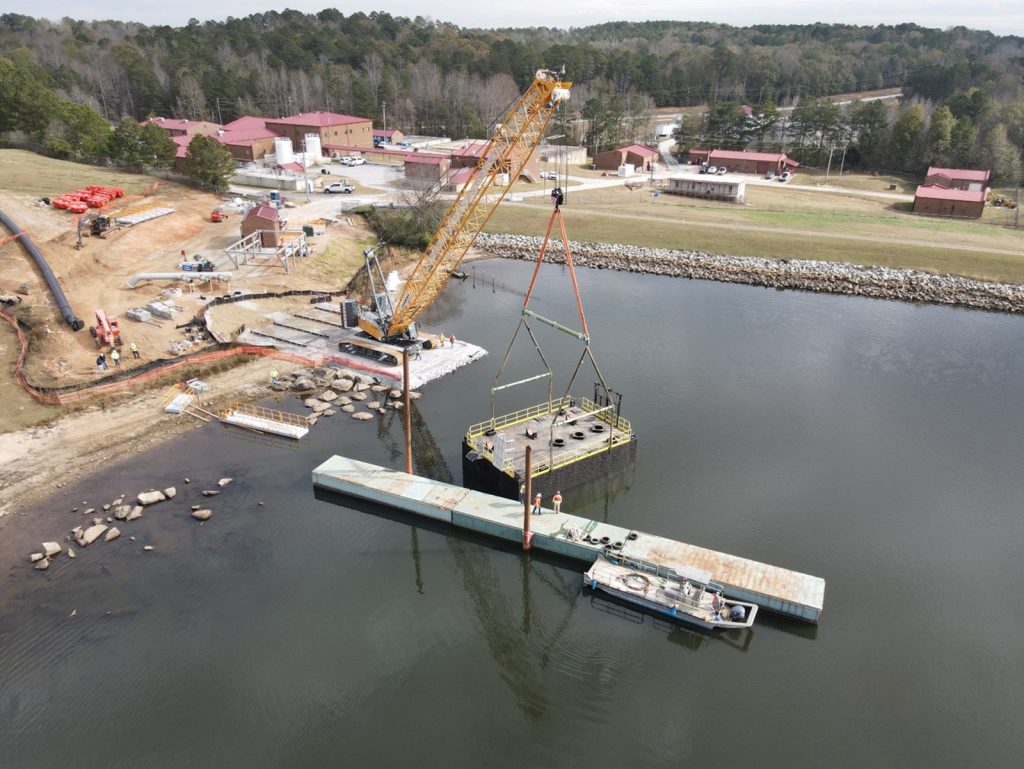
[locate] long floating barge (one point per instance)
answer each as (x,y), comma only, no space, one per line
(785,592)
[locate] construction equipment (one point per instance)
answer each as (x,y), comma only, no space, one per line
(218,215)
(107,331)
(93,224)
(511,143)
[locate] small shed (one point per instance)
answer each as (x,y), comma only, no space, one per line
(940,201)
(423,170)
(635,155)
(265,220)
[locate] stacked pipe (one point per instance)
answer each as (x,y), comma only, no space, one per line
(93,196)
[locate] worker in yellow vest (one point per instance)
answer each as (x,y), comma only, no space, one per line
(115,356)
(135,350)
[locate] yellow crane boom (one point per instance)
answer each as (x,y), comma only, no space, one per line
(507,151)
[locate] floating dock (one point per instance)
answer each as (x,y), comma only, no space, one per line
(573,442)
(267,421)
(785,592)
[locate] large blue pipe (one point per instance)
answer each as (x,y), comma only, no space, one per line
(51,279)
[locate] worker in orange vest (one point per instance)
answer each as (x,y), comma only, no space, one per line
(557,501)
(536,504)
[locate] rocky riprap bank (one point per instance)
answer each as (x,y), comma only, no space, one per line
(803,275)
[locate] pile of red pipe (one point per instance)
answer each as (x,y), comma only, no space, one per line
(93,196)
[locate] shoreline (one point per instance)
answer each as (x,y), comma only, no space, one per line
(841,278)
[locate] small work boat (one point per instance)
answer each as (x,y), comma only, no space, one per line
(683,593)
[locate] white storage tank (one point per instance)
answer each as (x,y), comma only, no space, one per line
(501,180)
(627,169)
(283,150)
(313,149)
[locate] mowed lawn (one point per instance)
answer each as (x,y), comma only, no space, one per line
(781,222)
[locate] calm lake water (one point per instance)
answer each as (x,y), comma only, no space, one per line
(877,445)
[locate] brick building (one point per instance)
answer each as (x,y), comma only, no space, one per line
(941,201)
(332,128)
(635,155)
(758,163)
(958,178)
(265,220)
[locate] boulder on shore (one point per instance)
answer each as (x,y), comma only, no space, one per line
(224,481)
(210,493)
(151,497)
(51,549)
(202,514)
(93,533)
(121,512)
(43,565)
(135,513)
(36,557)
(112,534)
(170,491)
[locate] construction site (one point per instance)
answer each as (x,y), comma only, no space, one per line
(126,282)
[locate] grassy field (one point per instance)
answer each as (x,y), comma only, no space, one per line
(785,223)
(38,175)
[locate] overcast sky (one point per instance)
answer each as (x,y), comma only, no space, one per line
(1004,17)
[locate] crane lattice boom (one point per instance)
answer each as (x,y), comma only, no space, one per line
(509,148)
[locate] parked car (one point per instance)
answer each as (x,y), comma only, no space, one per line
(712,169)
(722,170)
(784,176)
(770,175)
(405,143)
(354,162)
(345,159)
(703,167)
(339,187)
(549,175)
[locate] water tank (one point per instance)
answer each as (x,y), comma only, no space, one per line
(313,148)
(626,169)
(283,150)
(502,180)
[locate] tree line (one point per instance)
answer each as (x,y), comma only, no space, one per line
(428,77)
(967,129)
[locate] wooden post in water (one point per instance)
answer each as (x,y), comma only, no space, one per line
(406,411)
(527,494)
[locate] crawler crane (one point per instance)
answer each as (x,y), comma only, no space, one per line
(510,146)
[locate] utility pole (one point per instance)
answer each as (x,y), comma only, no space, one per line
(384,118)
(829,167)
(843,161)
(219,118)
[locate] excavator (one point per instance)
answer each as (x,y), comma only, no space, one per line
(393,322)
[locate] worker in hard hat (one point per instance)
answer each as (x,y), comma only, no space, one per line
(536,504)
(273,375)
(135,349)
(115,356)
(556,502)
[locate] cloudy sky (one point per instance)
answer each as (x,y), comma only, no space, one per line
(1001,16)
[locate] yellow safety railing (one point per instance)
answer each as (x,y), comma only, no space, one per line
(516,417)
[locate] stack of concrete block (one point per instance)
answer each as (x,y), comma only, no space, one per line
(161,310)
(139,314)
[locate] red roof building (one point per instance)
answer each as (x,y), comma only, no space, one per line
(958,178)
(423,170)
(636,155)
(739,162)
(330,126)
(185,127)
(265,220)
(942,201)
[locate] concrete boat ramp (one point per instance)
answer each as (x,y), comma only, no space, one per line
(786,592)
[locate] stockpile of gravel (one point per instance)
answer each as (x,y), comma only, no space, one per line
(804,275)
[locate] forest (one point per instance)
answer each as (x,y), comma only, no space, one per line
(963,89)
